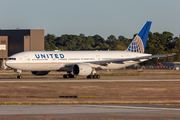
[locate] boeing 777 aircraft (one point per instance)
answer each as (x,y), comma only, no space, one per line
(82,63)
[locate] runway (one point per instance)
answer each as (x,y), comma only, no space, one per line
(91,111)
(136,111)
(37,80)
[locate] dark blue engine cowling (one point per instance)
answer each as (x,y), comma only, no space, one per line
(39,73)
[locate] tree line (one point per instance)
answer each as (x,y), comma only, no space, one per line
(157,43)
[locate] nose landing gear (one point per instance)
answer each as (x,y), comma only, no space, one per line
(19,73)
(19,76)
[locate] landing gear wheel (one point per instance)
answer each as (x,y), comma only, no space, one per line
(94,76)
(98,76)
(65,76)
(89,76)
(71,76)
(19,76)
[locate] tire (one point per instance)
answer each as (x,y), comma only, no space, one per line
(64,76)
(88,77)
(71,76)
(67,76)
(98,76)
(19,76)
(94,76)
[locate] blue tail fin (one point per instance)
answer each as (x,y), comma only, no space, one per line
(139,42)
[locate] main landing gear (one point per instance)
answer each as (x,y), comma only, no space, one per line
(93,76)
(69,75)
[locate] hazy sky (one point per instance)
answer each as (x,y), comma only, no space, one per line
(91,17)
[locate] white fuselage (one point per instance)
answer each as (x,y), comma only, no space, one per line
(58,60)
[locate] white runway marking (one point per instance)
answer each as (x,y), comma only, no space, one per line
(133,107)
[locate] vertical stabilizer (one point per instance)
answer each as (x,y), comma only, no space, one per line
(139,42)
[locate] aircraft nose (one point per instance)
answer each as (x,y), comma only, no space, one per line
(6,63)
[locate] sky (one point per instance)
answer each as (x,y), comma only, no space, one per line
(91,17)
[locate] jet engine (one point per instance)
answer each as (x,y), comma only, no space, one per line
(82,69)
(39,73)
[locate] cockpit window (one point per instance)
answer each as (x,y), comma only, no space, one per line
(11,58)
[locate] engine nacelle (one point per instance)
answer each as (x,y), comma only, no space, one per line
(82,69)
(39,72)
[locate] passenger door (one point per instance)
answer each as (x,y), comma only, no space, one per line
(27,59)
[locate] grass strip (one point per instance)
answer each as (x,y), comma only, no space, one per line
(22,96)
(79,97)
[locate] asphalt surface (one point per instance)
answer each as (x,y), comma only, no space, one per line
(91,111)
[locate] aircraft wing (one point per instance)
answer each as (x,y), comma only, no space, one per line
(126,59)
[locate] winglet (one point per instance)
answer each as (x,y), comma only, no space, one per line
(139,42)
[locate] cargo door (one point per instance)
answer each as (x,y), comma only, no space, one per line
(98,57)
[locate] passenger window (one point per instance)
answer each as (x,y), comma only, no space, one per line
(11,58)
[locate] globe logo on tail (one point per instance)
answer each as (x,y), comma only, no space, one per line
(136,45)
(139,42)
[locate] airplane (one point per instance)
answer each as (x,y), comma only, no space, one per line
(82,63)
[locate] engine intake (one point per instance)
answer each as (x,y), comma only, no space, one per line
(82,69)
(39,73)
